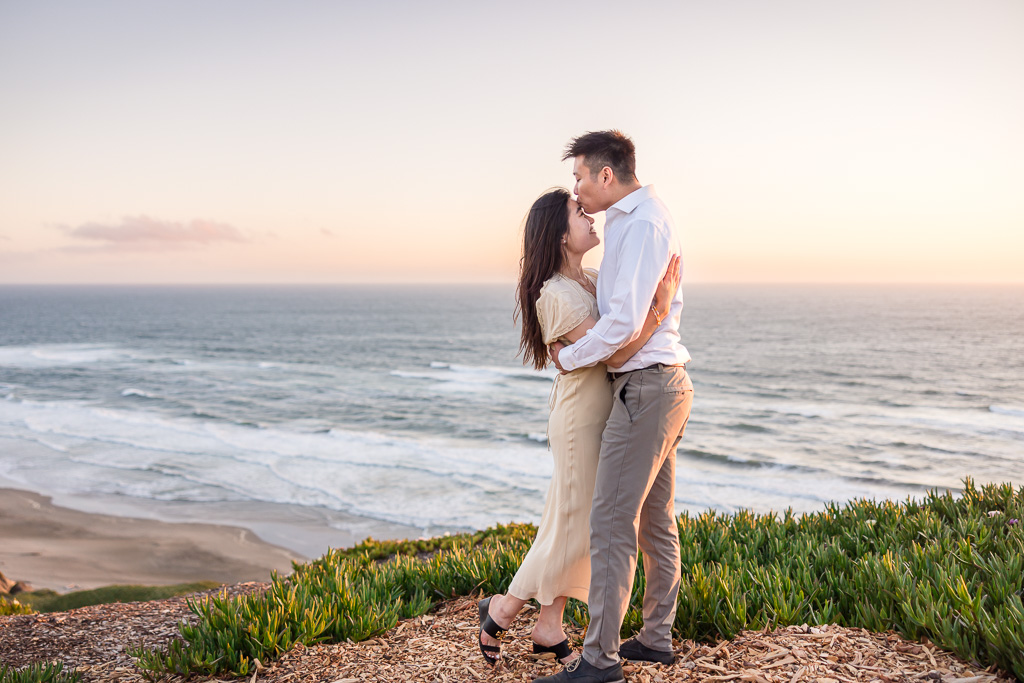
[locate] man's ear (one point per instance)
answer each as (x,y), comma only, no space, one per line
(607,176)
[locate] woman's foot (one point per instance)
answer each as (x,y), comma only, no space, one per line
(561,650)
(490,629)
(548,635)
(549,639)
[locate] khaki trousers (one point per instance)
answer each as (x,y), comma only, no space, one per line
(634,505)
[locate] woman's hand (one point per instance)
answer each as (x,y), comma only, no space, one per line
(668,287)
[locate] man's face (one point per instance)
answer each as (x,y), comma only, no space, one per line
(588,189)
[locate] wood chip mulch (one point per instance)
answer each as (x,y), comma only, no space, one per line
(96,639)
(441,647)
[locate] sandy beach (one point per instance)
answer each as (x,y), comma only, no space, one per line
(62,549)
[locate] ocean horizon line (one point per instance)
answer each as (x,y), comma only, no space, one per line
(509,283)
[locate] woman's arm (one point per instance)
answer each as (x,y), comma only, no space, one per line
(662,302)
(576,333)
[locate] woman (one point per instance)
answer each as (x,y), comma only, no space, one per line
(556,298)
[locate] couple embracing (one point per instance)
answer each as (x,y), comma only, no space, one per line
(618,412)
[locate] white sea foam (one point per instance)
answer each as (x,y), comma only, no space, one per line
(52,445)
(420,482)
(492,372)
(53,355)
(415,375)
(1007,410)
(524,373)
(131,391)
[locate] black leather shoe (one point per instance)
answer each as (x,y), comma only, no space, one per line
(636,651)
(583,671)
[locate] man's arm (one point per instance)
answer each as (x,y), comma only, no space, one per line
(643,258)
(668,286)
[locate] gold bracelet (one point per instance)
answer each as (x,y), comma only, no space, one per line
(656,316)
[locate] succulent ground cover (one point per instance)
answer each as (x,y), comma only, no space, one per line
(43,672)
(944,568)
(13,606)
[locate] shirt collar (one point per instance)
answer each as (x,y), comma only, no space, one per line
(634,199)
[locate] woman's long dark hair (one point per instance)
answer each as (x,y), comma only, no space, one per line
(546,224)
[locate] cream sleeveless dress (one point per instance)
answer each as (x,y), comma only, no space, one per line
(558,562)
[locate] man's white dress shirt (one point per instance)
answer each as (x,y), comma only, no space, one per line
(639,240)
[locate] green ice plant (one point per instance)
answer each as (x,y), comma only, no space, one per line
(9,606)
(39,673)
(345,595)
(941,568)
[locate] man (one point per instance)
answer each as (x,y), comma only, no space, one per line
(635,490)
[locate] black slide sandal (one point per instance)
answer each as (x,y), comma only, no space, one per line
(560,650)
(488,626)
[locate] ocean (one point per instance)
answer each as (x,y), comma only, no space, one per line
(360,407)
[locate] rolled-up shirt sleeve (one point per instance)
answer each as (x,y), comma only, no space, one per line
(642,259)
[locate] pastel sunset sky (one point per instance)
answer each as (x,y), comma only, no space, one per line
(323,142)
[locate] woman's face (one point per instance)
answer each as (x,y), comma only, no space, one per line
(581,236)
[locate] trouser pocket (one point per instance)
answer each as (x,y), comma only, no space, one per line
(677,380)
(629,394)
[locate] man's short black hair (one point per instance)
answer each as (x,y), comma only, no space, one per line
(610,148)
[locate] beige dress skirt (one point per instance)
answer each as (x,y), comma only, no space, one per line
(558,563)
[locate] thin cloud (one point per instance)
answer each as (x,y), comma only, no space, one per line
(18,258)
(325,231)
(142,233)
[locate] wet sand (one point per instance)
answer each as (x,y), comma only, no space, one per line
(63,549)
